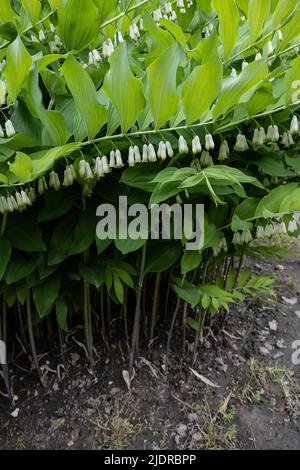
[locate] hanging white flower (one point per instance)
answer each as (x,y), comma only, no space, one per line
(279,35)
(82,169)
(145,153)
(241,143)
(294,129)
(131,160)
(9,128)
(151,153)
(258,56)
(233,73)
(182,145)
(119,161)
(42,36)
(3,91)
(224,151)
(209,142)
(169,148)
(1,132)
(112,159)
(137,154)
(196,145)
(269,48)
(105,165)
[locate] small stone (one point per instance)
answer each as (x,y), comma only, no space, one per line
(298,313)
(279,267)
(273,325)
(193,417)
(70,443)
(197,436)
(181,430)
(278,355)
(264,351)
(280,344)
(115,391)
(15,413)
(290,301)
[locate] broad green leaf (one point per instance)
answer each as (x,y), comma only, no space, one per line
(176,31)
(283,9)
(162,40)
(129,245)
(162,95)
(270,204)
(22,167)
(61,310)
(57,203)
(105,8)
(229,20)
(24,233)
(92,112)
(61,240)
(19,267)
(7,14)
(290,31)
(93,275)
(55,132)
(44,160)
(84,232)
(234,88)
(78,23)
(161,256)
(33,9)
(5,254)
(200,90)
(123,89)
(45,294)
(18,62)
(190,261)
(258,12)
(188,293)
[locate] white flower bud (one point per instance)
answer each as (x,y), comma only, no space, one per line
(88,171)
(42,185)
(10,205)
(19,200)
(119,161)
(163,151)
(82,169)
(131,161)
(209,142)
(233,73)
(25,198)
(244,64)
(1,132)
(260,232)
(42,36)
(224,151)
(137,154)
(112,159)
(9,128)
(255,139)
(105,165)
(294,129)
(258,56)
(196,145)
(151,153)
(170,151)
(99,167)
(269,48)
(145,153)
(3,91)
(279,35)
(262,136)
(241,143)
(182,145)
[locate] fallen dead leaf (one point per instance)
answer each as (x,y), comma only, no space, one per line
(203,379)
(290,301)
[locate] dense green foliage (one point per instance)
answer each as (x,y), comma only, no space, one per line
(192,101)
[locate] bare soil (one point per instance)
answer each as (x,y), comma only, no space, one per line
(252,399)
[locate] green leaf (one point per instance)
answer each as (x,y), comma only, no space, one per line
(84,232)
(195,325)
(188,293)
(123,89)
(78,23)
(162,94)
(45,294)
(18,62)
(22,167)
(258,12)
(44,160)
(176,31)
(190,261)
(201,89)
(61,240)
(24,233)
(105,8)
(229,20)
(19,267)
(161,256)
(61,310)
(5,254)
(234,88)
(57,203)
(93,275)
(93,114)
(118,287)
(283,9)
(33,9)
(129,245)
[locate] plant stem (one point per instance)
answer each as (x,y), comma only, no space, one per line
(155,306)
(31,336)
(135,334)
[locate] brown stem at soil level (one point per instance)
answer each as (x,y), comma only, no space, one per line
(155,306)
(135,334)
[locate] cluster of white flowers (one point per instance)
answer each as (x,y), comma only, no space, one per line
(42,36)
(55,45)
(157,15)
(222,246)
(273,134)
(259,136)
(287,139)
(207,30)
(271,229)
(94,57)
(241,143)
(9,129)
(18,202)
(206,159)
(240,238)
(108,48)
(134,32)
(224,151)
(170,14)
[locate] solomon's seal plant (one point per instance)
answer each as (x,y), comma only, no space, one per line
(157,101)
